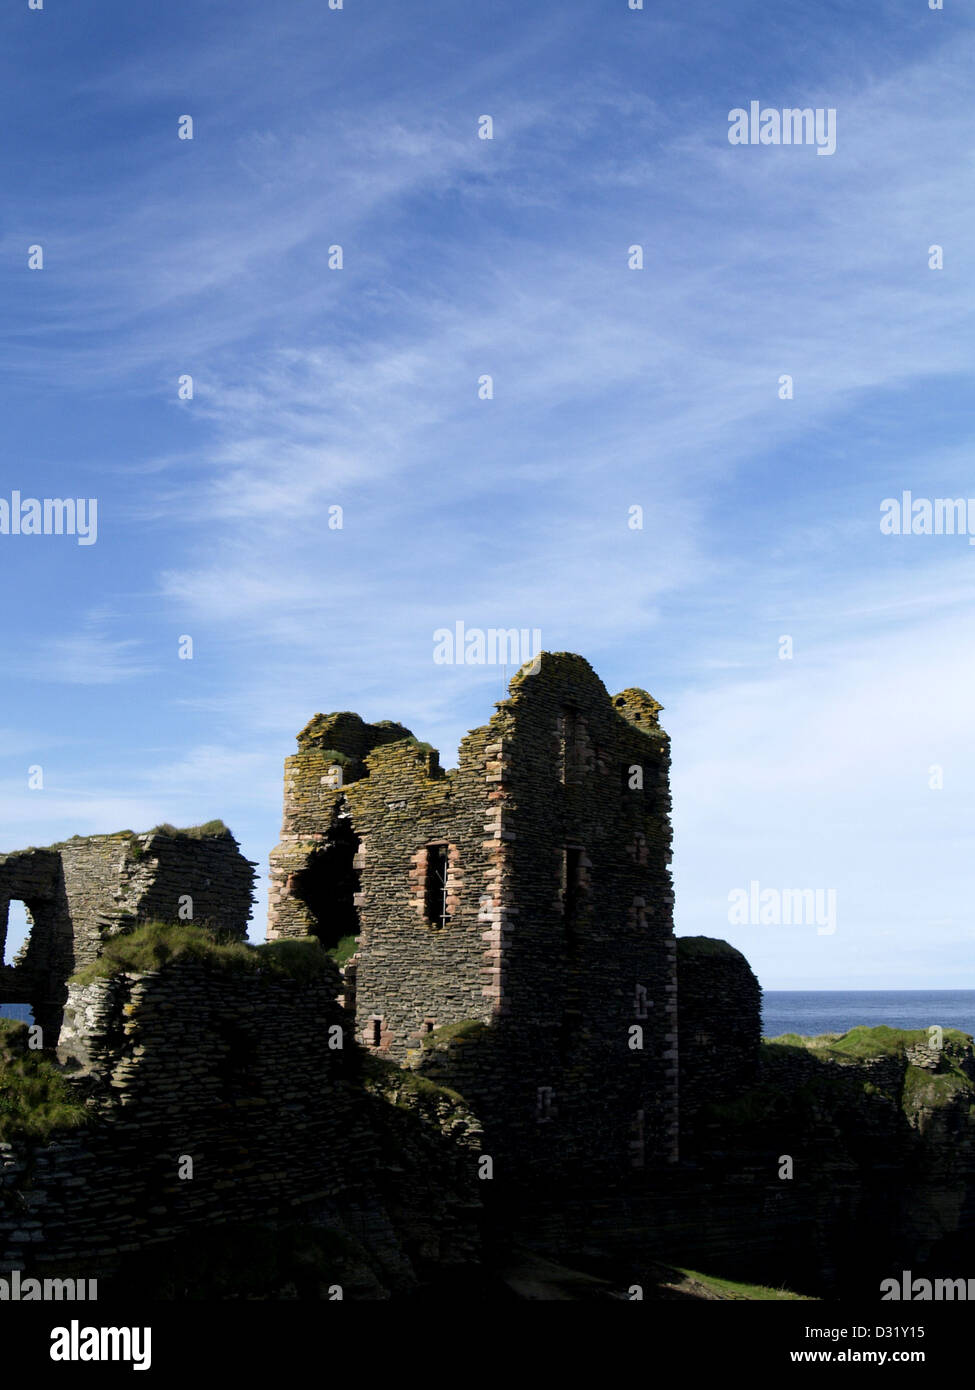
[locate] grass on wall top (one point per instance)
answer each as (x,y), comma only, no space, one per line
(153,945)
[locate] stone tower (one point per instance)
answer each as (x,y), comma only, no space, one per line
(514,916)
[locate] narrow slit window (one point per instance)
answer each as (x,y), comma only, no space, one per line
(568,735)
(435,894)
(571,870)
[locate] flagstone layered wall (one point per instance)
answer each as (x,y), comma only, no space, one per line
(221,1095)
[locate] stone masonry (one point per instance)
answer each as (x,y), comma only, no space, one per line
(221,1095)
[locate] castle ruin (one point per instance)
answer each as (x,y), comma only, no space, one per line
(514,916)
(513,1005)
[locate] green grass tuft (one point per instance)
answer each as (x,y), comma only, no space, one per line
(155,944)
(862,1041)
(35,1099)
(734,1289)
(301,959)
(210,829)
(468,1028)
(343,950)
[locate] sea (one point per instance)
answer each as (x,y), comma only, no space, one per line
(815,1011)
(19,1011)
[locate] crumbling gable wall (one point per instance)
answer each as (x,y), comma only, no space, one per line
(84,890)
(425,958)
(317,840)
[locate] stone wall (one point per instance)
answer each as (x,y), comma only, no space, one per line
(221,1096)
(87,889)
(413,973)
(720,1024)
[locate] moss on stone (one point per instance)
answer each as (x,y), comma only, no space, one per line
(395,1083)
(467,1030)
(928,1090)
(803,1074)
(890,1042)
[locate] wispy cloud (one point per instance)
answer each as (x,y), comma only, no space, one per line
(91,656)
(612,388)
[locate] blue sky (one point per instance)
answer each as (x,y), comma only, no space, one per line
(612,388)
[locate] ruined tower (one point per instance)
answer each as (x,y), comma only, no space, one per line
(514,916)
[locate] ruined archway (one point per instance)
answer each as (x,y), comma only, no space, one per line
(15,929)
(35,974)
